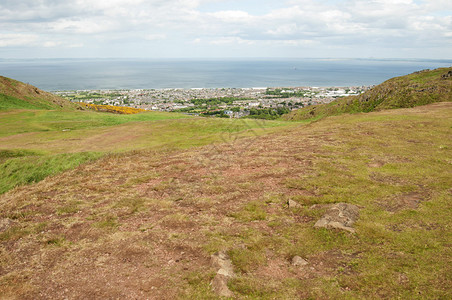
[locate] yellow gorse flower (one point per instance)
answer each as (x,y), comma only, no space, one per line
(112,109)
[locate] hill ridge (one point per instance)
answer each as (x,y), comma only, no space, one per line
(418,88)
(16,94)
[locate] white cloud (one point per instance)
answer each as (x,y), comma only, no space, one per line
(300,43)
(356,24)
(78,45)
(440,5)
(82,26)
(153,37)
(284,29)
(231,40)
(51,44)
(232,16)
(14,40)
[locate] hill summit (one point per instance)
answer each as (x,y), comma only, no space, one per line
(16,94)
(419,88)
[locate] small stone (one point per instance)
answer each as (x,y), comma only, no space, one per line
(293,204)
(298,261)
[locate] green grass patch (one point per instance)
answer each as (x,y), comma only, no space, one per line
(132,204)
(69,208)
(108,222)
(252,288)
(252,211)
(55,120)
(197,286)
(14,153)
(57,241)
(8,102)
(29,169)
(14,233)
(246,260)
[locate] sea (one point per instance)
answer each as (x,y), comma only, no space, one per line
(97,74)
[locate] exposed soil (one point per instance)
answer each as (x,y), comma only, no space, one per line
(402,202)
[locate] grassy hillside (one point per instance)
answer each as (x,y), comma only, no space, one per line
(18,95)
(419,88)
(46,142)
(143,224)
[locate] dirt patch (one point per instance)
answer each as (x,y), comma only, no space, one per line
(403,202)
(388,179)
(327,263)
(376,164)
(276,268)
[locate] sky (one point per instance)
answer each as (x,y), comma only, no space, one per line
(226,29)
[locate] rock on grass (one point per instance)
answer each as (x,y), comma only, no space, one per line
(339,216)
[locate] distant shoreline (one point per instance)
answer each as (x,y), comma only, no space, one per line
(132,74)
(213,88)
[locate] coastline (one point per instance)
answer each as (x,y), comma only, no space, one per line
(117,74)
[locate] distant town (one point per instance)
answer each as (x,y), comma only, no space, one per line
(266,103)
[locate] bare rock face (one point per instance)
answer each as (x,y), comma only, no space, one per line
(225,271)
(339,216)
(298,261)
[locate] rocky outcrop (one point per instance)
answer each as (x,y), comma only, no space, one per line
(447,75)
(339,216)
(225,271)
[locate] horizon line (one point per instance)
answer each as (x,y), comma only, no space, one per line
(231,58)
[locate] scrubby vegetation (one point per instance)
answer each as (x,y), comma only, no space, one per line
(268,113)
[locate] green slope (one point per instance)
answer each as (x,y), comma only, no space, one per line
(18,95)
(412,90)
